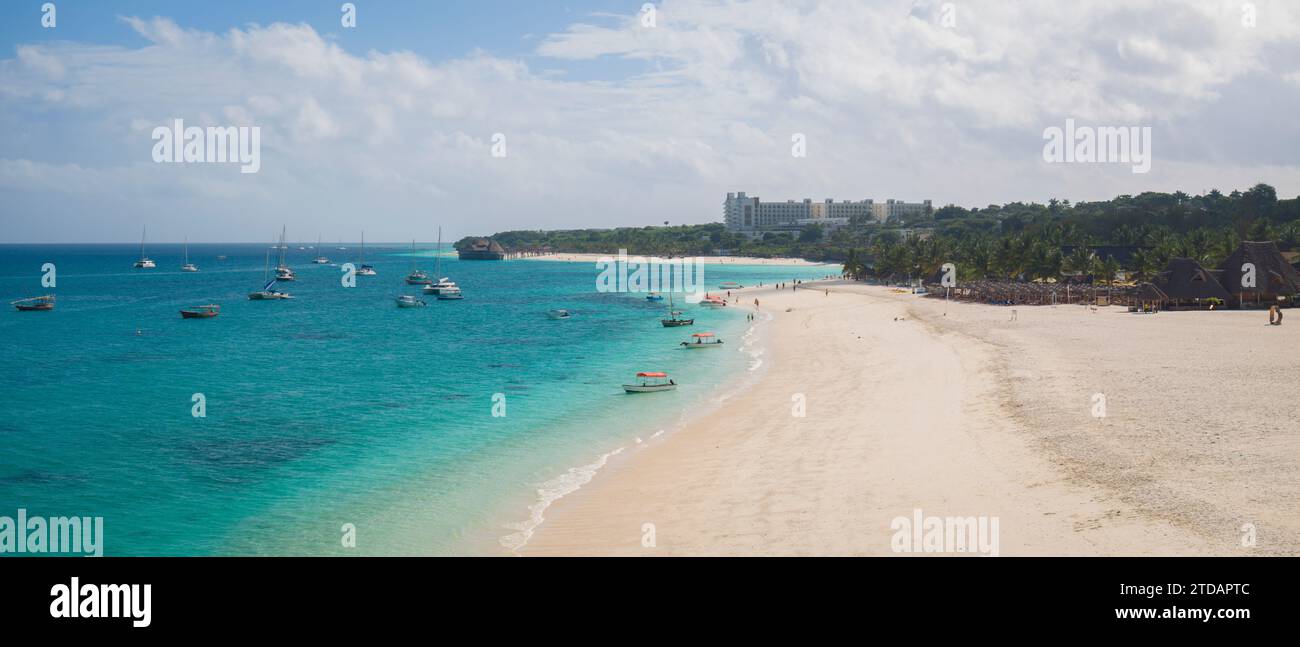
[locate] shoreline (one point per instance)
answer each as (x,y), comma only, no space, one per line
(585,257)
(554,490)
(943,409)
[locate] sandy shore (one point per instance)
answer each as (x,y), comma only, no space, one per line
(707,260)
(957,411)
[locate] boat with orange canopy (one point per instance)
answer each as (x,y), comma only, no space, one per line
(649,382)
(703,340)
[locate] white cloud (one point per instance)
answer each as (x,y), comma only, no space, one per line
(893,105)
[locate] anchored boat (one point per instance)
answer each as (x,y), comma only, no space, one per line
(674,320)
(408,301)
(650,382)
(703,340)
(145,263)
(320,258)
(364,270)
(188,266)
(417,275)
(266,293)
(201,312)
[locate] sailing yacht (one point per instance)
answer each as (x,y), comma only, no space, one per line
(320,257)
(417,275)
(674,320)
(145,263)
(364,270)
(443,283)
(267,293)
(188,266)
(282,271)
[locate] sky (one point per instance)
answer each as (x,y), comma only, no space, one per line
(486,116)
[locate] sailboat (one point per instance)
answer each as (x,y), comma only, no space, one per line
(673,321)
(282,271)
(266,293)
(320,257)
(145,263)
(364,270)
(443,283)
(417,275)
(188,266)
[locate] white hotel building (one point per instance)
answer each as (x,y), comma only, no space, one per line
(750,215)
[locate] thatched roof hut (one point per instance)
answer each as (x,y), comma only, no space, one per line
(1185,281)
(1274,277)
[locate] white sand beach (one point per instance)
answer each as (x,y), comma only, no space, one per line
(957,410)
(707,260)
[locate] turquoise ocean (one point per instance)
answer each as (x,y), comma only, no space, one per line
(335,407)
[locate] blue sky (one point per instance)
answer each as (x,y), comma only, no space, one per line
(612,120)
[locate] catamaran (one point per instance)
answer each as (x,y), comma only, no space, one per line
(408,301)
(145,263)
(559,314)
(703,340)
(34,304)
(417,275)
(188,266)
(282,271)
(649,382)
(443,283)
(450,294)
(364,270)
(320,258)
(266,293)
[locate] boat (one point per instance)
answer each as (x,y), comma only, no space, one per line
(674,320)
(267,293)
(703,340)
(450,294)
(145,263)
(650,382)
(713,301)
(201,312)
(417,275)
(408,301)
(364,270)
(188,266)
(443,283)
(282,271)
(34,304)
(320,258)
(729,285)
(559,314)
(654,296)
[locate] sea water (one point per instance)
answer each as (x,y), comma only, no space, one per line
(334,413)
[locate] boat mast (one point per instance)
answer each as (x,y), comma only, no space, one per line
(437,259)
(142,231)
(187,250)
